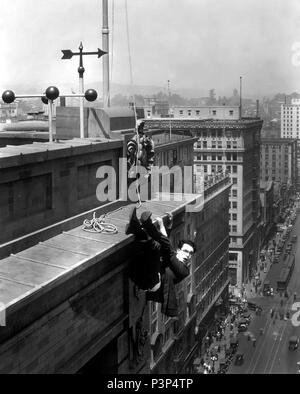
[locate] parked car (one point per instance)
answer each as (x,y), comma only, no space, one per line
(253,306)
(239,359)
(266,291)
(293,343)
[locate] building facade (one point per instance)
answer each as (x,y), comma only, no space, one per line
(290,119)
(232,146)
(278,163)
(290,126)
(175,343)
(193,112)
(69,304)
(8,111)
(207,112)
(268,210)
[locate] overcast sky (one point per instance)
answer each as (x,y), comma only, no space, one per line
(196,44)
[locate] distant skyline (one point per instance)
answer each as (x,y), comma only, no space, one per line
(196,44)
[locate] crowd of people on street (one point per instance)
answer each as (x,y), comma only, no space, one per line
(221,343)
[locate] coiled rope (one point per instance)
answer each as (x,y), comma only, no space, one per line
(98,225)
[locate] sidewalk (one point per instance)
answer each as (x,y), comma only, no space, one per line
(250,290)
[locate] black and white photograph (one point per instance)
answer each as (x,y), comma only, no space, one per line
(150,190)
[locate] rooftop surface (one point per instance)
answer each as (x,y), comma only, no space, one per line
(53,261)
(38,151)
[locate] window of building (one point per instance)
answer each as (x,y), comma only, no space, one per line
(234,193)
(234,180)
(233,256)
(214,112)
(204,144)
(234,169)
(204,157)
(234,204)
(231,112)
(234,216)
(197,112)
(181,112)
(234,229)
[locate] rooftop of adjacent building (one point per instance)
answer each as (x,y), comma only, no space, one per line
(180,123)
(276,140)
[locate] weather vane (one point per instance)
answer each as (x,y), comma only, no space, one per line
(68,54)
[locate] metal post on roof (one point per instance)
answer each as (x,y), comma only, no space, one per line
(240,97)
(50,117)
(169,93)
(68,54)
(105,45)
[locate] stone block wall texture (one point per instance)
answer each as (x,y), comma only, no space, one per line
(37,194)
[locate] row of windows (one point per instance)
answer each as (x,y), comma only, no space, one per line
(219,133)
(216,145)
(197,112)
(273,178)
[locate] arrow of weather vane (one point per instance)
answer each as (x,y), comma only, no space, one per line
(68,54)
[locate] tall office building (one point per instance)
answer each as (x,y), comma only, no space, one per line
(232,145)
(290,126)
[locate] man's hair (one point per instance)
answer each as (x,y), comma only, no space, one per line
(188,242)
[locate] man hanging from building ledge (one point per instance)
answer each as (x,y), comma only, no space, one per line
(156,267)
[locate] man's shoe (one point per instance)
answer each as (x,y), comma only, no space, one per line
(149,226)
(146,217)
(133,224)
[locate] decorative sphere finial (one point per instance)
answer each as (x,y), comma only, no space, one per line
(8,96)
(52,93)
(90,95)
